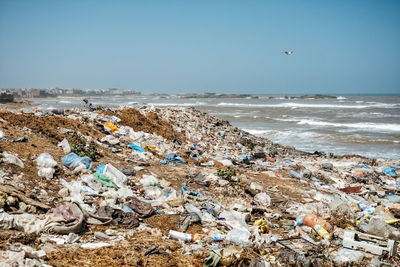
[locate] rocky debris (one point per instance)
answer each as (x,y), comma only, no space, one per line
(175,186)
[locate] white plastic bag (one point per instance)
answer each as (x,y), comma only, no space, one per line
(45,160)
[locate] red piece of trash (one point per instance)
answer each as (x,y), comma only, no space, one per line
(351,189)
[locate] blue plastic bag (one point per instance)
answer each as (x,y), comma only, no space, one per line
(72,160)
(100,169)
(137,148)
(390,172)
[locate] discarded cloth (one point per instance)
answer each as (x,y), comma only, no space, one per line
(54,221)
(119,217)
(141,208)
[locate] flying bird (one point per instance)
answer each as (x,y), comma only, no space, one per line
(288,52)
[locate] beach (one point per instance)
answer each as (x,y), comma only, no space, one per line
(236,195)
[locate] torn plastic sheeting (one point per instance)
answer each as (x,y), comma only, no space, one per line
(12,159)
(190,192)
(137,148)
(72,160)
(173,157)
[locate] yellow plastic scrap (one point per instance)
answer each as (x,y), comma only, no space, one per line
(111,126)
(149,148)
(392,221)
(262,225)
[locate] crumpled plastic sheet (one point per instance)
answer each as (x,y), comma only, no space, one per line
(72,160)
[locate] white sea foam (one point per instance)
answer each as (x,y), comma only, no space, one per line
(341,98)
(301,105)
(178,104)
(257,132)
(64,102)
(360,125)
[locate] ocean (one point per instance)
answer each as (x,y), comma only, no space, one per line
(364,125)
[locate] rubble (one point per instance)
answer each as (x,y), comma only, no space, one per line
(175,186)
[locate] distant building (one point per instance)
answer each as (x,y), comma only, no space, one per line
(6,97)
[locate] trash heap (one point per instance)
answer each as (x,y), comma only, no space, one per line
(175,186)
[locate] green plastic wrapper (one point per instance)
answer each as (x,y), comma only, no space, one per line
(105,181)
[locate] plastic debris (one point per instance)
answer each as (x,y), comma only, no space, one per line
(72,160)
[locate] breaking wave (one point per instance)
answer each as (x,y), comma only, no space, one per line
(359,125)
(301,105)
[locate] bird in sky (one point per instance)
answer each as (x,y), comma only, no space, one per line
(288,52)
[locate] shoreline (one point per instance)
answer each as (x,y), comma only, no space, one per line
(31,102)
(231,170)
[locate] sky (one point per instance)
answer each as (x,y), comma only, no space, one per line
(167,46)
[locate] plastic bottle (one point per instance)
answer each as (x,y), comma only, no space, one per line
(180,236)
(319,225)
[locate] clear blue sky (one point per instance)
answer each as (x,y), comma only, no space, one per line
(198,46)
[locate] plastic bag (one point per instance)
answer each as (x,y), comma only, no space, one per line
(114,174)
(263,199)
(45,160)
(112,127)
(137,148)
(149,180)
(105,181)
(348,255)
(65,146)
(390,172)
(46,172)
(72,160)
(239,237)
(235,219)
(153,192)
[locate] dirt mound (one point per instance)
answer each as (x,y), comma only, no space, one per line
(149,123)
(47,125)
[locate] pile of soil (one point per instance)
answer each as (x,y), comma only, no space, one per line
(149,123)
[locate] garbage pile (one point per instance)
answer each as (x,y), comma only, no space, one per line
(175,186)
